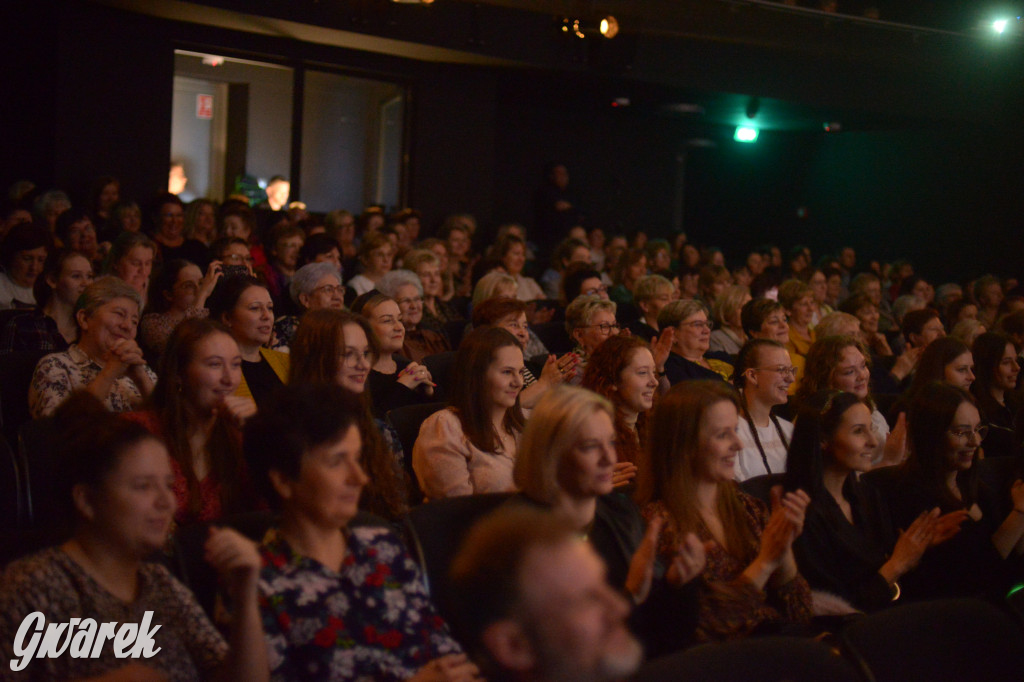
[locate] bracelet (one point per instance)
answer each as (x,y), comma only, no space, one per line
(895,591)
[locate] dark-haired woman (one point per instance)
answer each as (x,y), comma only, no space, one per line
(243,305)
(22,256)
(51,327)
(470,447)
(116,485)
(338,602)
(996,371)
(179,294)
(849,547)
(945,431)
(193,409)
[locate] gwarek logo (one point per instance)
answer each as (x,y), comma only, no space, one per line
(81,638)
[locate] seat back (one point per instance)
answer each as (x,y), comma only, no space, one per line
(761,486)
(435,530)
(455,330)
(939,641)
(554,337)
(759,659)
(441,367)
(16,370)
(406,421)
(37,447)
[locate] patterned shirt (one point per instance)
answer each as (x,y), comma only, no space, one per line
(59,374)
(52,583)
(33,331)
(372,620)
(156,328)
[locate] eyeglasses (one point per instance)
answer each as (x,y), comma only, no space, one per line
(696,325)
(963,433)
(604,327)
(236,258)
(331,289)
(353,358)
(412,299)
(786,371)
(594,291)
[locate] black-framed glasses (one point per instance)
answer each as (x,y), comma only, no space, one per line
(605,327)
(331,289)
(781,369)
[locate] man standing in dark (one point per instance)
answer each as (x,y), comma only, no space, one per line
(556,207)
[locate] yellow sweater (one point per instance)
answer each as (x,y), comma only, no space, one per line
(278,362)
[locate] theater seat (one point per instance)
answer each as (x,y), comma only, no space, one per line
(407,421)
(441,367)
(758,659)
(16,370)
(553,336)
(947,640)
(434,531)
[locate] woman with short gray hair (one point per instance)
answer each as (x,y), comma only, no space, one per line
(313,286)
(105,360)
(407,290)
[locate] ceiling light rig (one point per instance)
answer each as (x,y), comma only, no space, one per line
(607,26)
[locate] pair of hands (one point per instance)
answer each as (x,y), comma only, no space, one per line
(927,530)
(557,370)
(687,563)
(416,375)
(783,527)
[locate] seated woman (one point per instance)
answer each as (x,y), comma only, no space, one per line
(864,309)
(651,294)
(590,321)
(179,294)
(51,326)
(944,359)
(194,411)
(849,547)
(407,291)
(729,336)
(394,380)
(510,314)
(798,301)
(628,271)
(239,222)
(471,446)
(315,286)
(338,602)
(169,235)
(762,376)
(570,250)
(284,243)
(105,361)
(623,370)
(945,431)
(841,363)
(376,255)
(692,337)
(436,311)
(131,259)
(338,347)
(510,254)
(243,305)
(201,220)
(751,583)
(77,232)
(967,331)
(995,390)
(22,255)
(567,464)
(114,483)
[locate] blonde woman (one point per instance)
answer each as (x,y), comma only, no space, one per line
(729,337)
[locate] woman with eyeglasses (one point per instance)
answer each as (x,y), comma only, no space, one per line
(314,286)
(692,339)
(407,290)
(179,294)
(994,387)
(590,321)
(763,374)
(945,430)
(427,266)
(849,547)
(337,347)
(234,256)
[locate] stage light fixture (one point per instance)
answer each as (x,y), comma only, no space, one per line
(745,134)
(1000,25)
(608,27)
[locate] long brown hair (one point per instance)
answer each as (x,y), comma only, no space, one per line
(316,357)
(675,461)
(469,385)
(603,375)
(168,400)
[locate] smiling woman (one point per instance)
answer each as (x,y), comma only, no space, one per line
(763,375)
(22,255)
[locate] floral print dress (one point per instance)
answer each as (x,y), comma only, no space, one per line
(372,620)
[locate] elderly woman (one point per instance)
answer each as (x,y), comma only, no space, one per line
(51,327)
(105,360)
(762,376)
(427,266)
(510,253)
(566,464)
(179,294)
(798,300)
(494,283)
(242,304)
(729,337)
(131,259)
(407,290)
(114,483)
(76,231)
(376,255)
(338,601)
(652,293)
(687,359)
(314,286)
(22,255)
(471,446)
(590,321)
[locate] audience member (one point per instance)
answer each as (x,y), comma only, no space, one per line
(762,376)
(23,255)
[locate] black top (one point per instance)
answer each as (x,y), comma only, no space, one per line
(1005,431)
(642,330)
(843,558)
(387,394)
(966,565)
(191,250)
(678,368)
(261,379)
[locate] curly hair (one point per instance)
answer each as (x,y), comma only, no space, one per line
(603,375)
(822,359)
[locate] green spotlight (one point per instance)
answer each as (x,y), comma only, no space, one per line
(745,134)
(1000,25)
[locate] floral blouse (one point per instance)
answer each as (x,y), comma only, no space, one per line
(373,620)
(52,583)
(730,606)
(59,374)
(156,328)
